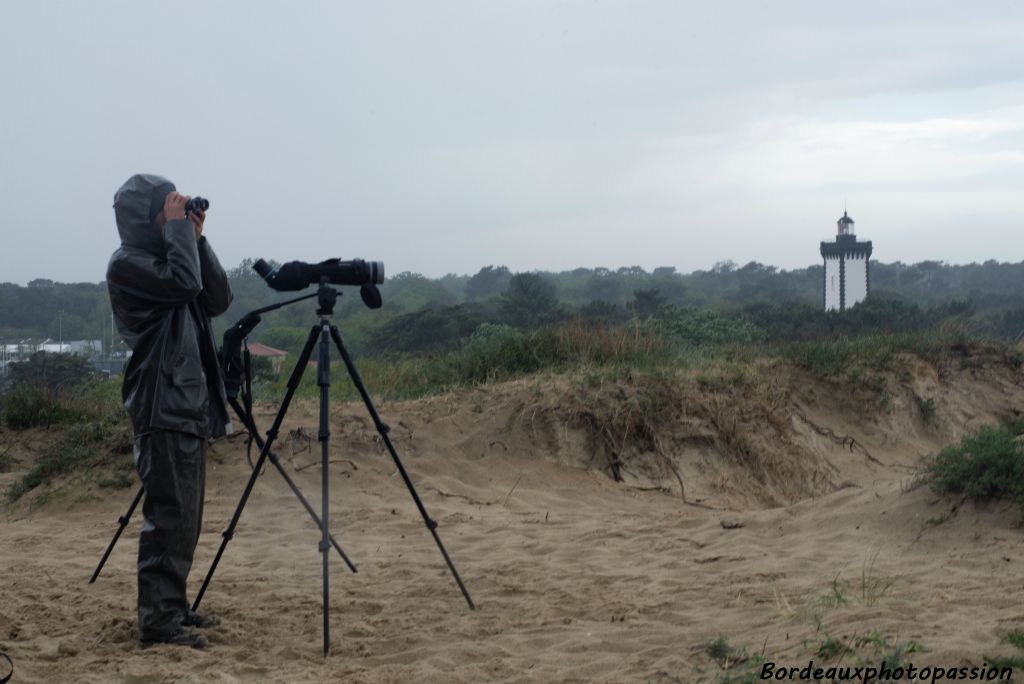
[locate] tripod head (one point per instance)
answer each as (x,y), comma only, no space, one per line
(326,296)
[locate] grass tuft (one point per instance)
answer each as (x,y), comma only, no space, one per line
(95,438)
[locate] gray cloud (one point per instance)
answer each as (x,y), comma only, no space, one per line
(446,136)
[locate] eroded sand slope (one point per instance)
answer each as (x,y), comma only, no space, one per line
(793,488)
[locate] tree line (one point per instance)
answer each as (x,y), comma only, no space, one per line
(429,315)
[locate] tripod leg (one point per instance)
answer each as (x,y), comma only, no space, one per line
(293,384)
(122,523)
(383,429)
(250,425)
(323,372)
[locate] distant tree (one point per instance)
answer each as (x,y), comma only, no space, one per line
(487,282)
(647,303)
(631,272)
(432,330)
(529,300)
(413,292)
(286,338)
(605,286)
(456,284)
(727,266)
(51,372)
(601,311)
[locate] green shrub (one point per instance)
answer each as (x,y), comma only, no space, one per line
(493,352)
(97,436)
(986,465)
(46,390)
(26,406)
(860,359)
(53,372)
(702,327)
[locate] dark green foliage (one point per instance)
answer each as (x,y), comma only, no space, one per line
(47,309)
(414,291)
(607,312)
(433,330)
(25,406)
(286,338)
(701,327)
(1015,639)
(44,390)
(494,352)
(738,666)
(718,649)
(648,304)
(529,301)
(488,282)
(51,372)
(262,368)
(849,356)
(786,305)
(792,321)
(986,465)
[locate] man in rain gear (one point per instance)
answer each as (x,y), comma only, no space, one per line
(165,284)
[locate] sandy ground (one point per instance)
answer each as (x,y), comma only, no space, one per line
(576,578)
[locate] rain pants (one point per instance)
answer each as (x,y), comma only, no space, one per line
(164,287)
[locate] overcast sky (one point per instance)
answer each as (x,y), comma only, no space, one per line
(443,136)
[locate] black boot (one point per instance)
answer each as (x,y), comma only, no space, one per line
(194,619)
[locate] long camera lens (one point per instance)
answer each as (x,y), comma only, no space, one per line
(297,275)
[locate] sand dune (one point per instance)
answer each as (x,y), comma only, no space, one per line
(577,578)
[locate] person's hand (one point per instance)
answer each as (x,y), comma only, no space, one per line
(174,206)
(197,218)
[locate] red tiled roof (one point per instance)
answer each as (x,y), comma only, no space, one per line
(257,349)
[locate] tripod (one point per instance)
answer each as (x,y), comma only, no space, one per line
(238,331)
(321,335)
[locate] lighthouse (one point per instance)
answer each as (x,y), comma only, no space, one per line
(847,276)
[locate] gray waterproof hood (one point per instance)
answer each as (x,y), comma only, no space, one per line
(132,210)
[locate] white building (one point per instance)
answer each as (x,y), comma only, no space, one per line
(847,271)
(86,347)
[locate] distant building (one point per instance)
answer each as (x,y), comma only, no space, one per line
(276,356)
(847,272)
(12,352)
(84,347)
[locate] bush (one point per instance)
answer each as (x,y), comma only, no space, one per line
(986,465)
(52,372)
(703,327)
(97,436)
(493,352)
(844,357)
(44,390)
(26,406)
